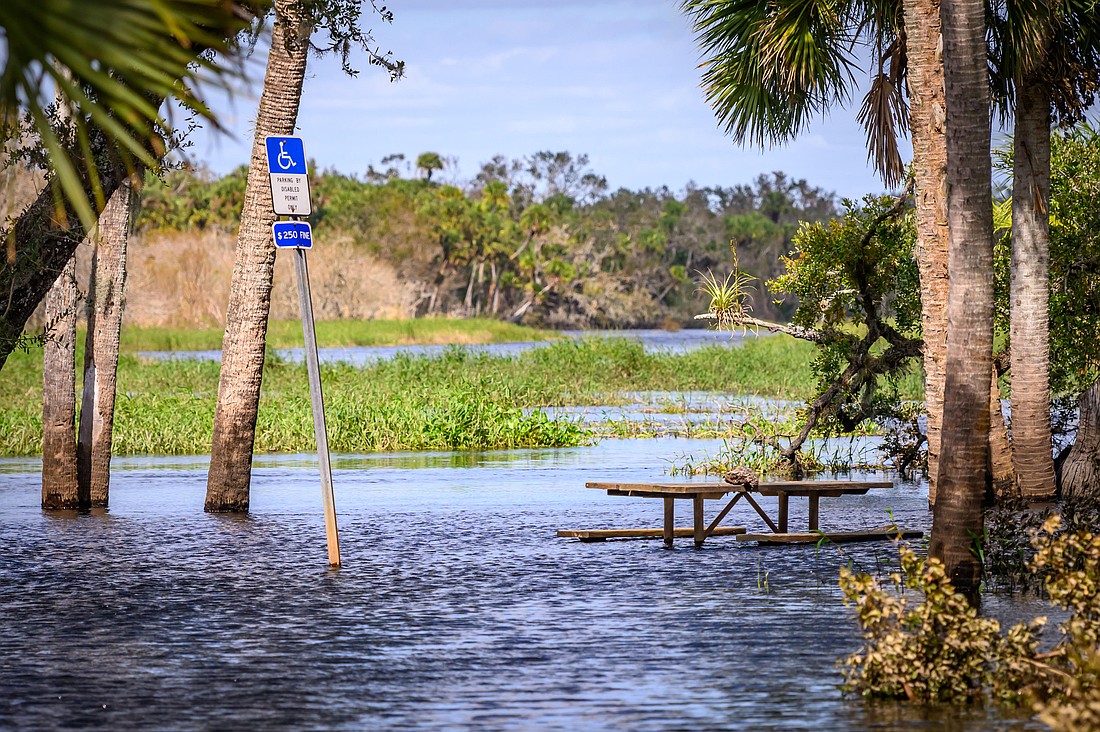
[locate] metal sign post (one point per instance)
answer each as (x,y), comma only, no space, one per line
(290,194)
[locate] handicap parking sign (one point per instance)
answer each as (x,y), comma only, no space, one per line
(286,162)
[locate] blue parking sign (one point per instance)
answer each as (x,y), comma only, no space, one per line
(286,155)
(292,234)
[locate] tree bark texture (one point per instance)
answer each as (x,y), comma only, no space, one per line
(927,120)
(59,482)
(106,301)
(1081,471)
(230,473)
(963,471)
(1029,294)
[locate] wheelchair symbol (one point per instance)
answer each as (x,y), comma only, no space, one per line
(284,155)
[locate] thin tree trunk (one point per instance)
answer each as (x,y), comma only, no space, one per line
(234,437)
(964,476)
(1029,334)
(469,300)
(1000,452)
(59,483)
(927,120)
(1081,471)
(106,292)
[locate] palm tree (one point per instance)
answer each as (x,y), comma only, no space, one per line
(230,474)
(964,474)
(429,162)
(105,306)
(1049,60)
(771,67)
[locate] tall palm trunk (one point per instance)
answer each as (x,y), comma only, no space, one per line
(230,473)
(964,476)
(1081,471)
(105,306)
(59,483)
(1030,293)
(927,122)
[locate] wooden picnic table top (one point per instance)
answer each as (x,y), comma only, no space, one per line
(827,488)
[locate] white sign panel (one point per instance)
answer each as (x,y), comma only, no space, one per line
(286,162)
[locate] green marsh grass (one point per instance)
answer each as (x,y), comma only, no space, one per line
(337,333)
(457,400)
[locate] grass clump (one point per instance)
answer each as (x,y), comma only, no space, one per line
(456,400)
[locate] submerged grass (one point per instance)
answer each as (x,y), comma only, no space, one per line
(457,400)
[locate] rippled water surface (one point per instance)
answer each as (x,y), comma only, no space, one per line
(457,607)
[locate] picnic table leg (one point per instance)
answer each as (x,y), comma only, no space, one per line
(670,520)
(783,506)
(813,513)
(697,524)
(761,513)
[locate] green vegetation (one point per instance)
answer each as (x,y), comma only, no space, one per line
(539,238)
(455,401)
(333,333)
(942,650)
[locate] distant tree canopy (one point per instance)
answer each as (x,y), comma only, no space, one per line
(540,238)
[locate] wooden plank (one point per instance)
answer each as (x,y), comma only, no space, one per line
(784,512)
(663,488)
(835,537)
(722,514)
(663,494)
(603,534)
(771,488)
(813,512)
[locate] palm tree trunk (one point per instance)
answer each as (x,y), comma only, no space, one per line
(963,470)
(1029,320)
(105,305)
(59,483)
(1081,471)
(927,120)
(230,473)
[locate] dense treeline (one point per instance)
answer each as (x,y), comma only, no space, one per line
(540,240)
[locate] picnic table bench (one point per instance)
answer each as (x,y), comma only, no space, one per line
(698,493)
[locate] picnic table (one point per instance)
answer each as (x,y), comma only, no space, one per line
(698,493)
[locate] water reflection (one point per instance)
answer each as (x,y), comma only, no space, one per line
(457,607)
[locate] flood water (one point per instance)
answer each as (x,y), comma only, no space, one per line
(678,341)
(457,607)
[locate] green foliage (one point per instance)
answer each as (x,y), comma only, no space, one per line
(942,650)
(541,234)
(113,62)
(459,400)
(936,650)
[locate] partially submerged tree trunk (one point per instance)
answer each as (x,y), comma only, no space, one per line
(1029,293)
(1081,470)
(59,481)
(105,306)
(250,299)
(927,121)
(963,471)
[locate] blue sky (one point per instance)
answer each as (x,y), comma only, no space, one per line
(613,79)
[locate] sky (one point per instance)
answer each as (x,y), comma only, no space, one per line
(616,80)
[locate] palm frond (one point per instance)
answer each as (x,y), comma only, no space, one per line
(112,62)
